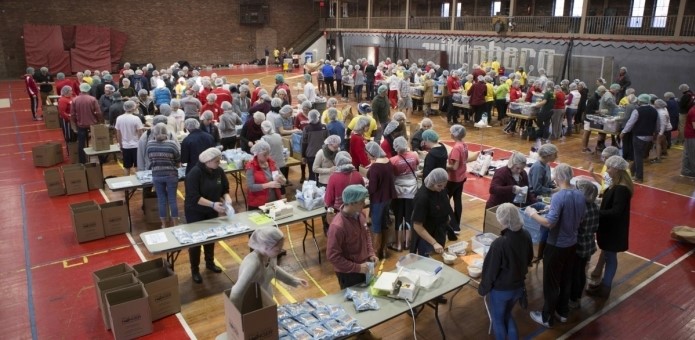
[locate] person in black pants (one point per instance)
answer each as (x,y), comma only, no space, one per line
(206,188)
(546,111)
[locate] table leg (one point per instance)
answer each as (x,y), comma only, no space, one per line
(172,257)
(128,195)
(435,305)
(307,228)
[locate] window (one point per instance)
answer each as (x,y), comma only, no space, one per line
(496,7)
(458,9)
(637,14)
(577,7)
(559,9)
(445,9)
(660,13)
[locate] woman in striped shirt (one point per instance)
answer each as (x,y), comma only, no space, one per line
(165,157)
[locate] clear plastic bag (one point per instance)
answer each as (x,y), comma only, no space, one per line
(347,320)
(301,334)
(306,319)
(316,303)
(322,314)
(335,327)
(363,302)
(319,332)
(290,324)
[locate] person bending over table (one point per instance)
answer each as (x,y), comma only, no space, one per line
(505,269)
(345,174)
(541,184)
(260,266)
(382,191)
(206,187)
(349,246)
(194,144)
(508,181)
(251,131)
(263,179)
(431,214)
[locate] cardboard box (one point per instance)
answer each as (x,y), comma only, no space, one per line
(151,206)
(147,266)
(51,117)
(114,216)
(95,178)
(129,310)
(54,182)
(86,220)
(258,318)
(75,179)
(101,140)
(109,285)
(74,153)
(162,286)
(48,154)
(491,225)
(109,272)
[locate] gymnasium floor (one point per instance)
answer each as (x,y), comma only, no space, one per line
(49,291)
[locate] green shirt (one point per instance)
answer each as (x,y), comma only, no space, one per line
(502,91)
(549,97)
(380,109)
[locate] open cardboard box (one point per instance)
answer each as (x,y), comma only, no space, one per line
(129,311)
(258,318)
(162,286)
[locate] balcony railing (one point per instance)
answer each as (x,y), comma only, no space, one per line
(388,23)
(688,28)
(659,26)
(598,25)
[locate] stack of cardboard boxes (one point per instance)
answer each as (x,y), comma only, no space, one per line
(75,179)
(92,221)
(47,154)
(130,298)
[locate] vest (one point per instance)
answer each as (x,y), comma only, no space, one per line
(646,121)
(259,198)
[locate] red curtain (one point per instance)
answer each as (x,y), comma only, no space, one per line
(92,48)
(118,41)
(43,46)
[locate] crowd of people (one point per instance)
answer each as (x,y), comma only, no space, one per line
(415,177)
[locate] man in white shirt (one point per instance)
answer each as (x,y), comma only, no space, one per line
(128,130)
(309,89)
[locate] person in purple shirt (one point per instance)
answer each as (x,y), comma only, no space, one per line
(567,209)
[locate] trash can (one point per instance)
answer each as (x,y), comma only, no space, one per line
(287,64)
(308,57)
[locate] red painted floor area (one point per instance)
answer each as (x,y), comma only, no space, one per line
(663,309)
(55,298)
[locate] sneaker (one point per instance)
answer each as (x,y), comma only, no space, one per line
(574,304)
(586,150)
(537,316)
(457,232)
(560,318)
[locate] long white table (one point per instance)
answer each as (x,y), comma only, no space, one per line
(163,240)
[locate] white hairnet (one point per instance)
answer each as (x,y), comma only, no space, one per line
(332,140)
(508,216)
(458,131)
(209,154)
(390,127)
(610,151)
(362,124)
(267,127)
(314,116)
(517,158)
(191,124)
(616,162)
(588,189)
(435,177)
(547,150)
(563,172)
(343,161)
(374,150)
(400,145)
(286,109)
(260,147)
(265,238)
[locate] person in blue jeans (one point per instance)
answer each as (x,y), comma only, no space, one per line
(504,271)
(164,156)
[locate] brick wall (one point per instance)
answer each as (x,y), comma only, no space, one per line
(159,31)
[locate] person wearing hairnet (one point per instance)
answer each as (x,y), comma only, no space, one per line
(508,182)
(566,212)
(349,245)
(163,157)
(251,132)
(541,184)
(614,222)
(313,136)
(404,163)
(545,112)
(357,143)
(643,123)
(381,192)
(416,142)
(504,271)
(143,162)
(260,266)
(324,163)
(194,144)
(344,175)
(280,84)
(456,168)
(436,157)
(586,244)
(335,126)
(431,214)
(263,179)
(380,107)
(364,111)
(207,124)
(390,133)
(207,192)
(276,149)
(128,130)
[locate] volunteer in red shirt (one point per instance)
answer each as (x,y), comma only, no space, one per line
(515,91)
(477,94)
(212,106)
(358,152)
(222,94)
(558,113)
(64,105)
(256,90)
(32,91)
(345,174)
(453,85)
(456,169)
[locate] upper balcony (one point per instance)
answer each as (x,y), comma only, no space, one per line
(657,29)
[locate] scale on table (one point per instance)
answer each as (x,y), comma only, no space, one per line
(278,209)
(398,285)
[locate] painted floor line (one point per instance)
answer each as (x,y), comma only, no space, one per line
(625,296)
(645,259)
(27,267)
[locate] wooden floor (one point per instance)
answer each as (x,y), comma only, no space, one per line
(465,316)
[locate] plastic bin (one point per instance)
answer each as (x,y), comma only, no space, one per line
(428,269)
(481,243)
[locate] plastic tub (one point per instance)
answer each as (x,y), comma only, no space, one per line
(428,269)
(481,242)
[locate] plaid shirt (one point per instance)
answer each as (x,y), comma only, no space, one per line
(586,244)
